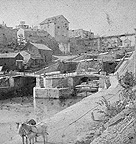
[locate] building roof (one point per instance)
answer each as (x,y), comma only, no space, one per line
(33,51)
(8,55)
(41,46)
(26,56)
(53,19)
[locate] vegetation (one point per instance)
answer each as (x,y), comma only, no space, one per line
(109,110)
(128,81)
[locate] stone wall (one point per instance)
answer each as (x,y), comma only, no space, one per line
(46,92)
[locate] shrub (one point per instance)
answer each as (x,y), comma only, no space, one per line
(128,81)
(110,110)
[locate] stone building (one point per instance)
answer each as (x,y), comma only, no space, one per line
(80,33)
(57,27)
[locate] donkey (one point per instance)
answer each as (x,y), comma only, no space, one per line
(39,130)
(23,133)
(29,135)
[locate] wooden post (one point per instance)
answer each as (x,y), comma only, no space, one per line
(37,81)
(11,81)
(34,104)
(48,82)
(102,84)
(44,80)
(99,44)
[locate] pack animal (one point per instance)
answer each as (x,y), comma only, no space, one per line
(36,130)
(24,134)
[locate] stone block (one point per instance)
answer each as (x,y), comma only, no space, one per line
(46,92)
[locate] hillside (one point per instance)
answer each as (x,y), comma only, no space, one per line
(43,37)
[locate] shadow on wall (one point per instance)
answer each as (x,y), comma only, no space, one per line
(67,67)
(23,86)
(109,67)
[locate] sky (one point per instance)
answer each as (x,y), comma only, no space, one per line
(103,17)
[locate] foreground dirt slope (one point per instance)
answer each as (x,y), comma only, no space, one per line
(66,126)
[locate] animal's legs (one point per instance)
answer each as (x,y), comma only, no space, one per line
(46,137)
(31,140)
(43,138)
(35,138)
(26,140)
(23,139)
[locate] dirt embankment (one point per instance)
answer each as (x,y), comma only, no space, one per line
(68,125)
